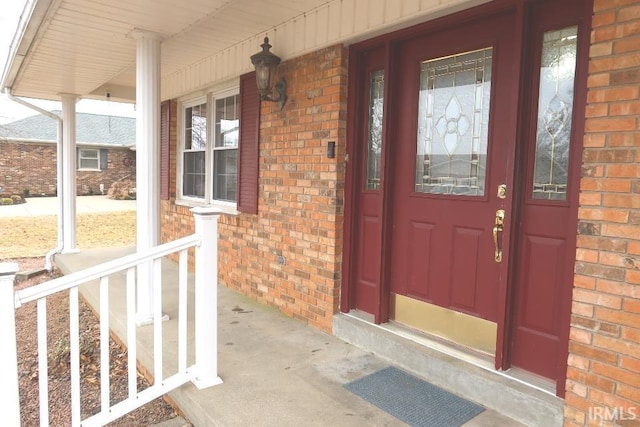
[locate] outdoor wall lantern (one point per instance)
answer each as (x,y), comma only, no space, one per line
(266,64)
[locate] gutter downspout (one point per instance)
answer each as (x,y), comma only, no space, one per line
(47,261)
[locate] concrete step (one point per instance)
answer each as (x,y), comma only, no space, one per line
(173,422)
(464,375)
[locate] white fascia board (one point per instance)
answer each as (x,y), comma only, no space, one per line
(78,143)
(28,141)
(98,145)
(31,20)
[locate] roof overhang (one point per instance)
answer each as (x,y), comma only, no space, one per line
(86,48)
(29,25)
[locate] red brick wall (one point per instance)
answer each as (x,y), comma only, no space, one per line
(289,255)
(121,164)
(32,166)
(604,361)
(27,166)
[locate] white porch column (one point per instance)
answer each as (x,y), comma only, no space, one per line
(9,353)
(69,167)
(206,297)
(147,162)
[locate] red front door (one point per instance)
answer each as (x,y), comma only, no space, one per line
(455,123)
(465,138)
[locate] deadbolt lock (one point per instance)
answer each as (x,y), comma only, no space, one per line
(502,191)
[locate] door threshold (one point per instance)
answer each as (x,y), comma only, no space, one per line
(532,380)
(443,345)
(467,374)
(468,355)
(471,376)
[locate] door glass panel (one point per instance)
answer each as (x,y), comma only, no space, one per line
(453,123)
(555,108)
(374,143)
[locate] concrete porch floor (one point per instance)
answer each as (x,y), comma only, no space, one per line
(276,370)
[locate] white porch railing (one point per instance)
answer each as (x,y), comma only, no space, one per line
(203,373)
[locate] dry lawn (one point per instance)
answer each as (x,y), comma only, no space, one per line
(35,236)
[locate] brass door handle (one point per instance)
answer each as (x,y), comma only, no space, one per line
(498,227)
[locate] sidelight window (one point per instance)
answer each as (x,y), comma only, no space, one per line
(555,109)
(374,138)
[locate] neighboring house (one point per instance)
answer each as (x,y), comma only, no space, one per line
(104,154)
(485,180)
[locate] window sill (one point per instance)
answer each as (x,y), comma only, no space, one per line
(89,170)
(225,208)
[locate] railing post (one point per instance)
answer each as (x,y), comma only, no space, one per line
(9,356)
(206,297)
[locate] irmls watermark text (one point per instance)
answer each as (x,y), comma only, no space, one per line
(619,413)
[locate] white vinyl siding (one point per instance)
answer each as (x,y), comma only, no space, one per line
(337,21)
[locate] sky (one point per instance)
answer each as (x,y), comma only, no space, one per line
(9,110)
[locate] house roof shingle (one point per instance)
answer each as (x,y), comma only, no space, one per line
(90,129)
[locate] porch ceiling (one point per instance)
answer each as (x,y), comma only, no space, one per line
(84,47)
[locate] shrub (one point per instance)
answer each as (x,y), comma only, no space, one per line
(25,192)
(16,199)
(122,190)
(6,201)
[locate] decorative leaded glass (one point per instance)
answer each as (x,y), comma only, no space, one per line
(374,150)
(453,120)
(555,107)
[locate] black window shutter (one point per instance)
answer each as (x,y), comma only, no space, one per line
(165,124)
(249,144)
(104,159)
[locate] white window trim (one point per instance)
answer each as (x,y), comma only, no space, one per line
(188,200)
(80,168)
(222,94)
(207,200)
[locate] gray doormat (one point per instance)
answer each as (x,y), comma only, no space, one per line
(412,400)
